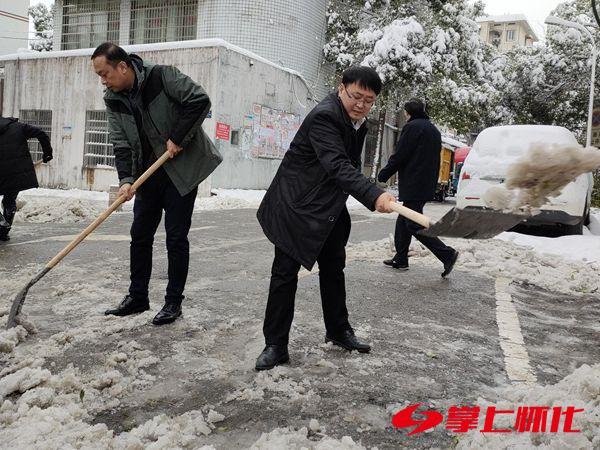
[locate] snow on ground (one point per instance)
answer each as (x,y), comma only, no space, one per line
(580,389)
(498,258)
(46,406)
(75,205)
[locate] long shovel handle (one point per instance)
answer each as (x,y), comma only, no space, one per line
(412,215)
(91,227)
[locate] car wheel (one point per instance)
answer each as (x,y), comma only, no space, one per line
(586,218)
(575,229)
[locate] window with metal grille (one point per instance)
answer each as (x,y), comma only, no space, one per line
(42,119)
(88,23)
(162,21)
(98,151)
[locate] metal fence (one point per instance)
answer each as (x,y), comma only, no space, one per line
(98,151)
(42,119)
(88,23)
(163,21)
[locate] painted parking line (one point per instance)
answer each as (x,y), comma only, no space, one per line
(516,358)
(94,237)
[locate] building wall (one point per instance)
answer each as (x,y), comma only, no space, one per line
(65,83)
(520,34)
(14,25)
(287,32)
(283,31)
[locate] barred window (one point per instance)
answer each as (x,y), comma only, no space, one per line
(161,21)
(88,23)
(98,151)
(42,119)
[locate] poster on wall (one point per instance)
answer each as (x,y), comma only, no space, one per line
(223,131)
(272,132)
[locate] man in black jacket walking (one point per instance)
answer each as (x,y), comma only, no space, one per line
(17,172)
(304,211)
(417,161)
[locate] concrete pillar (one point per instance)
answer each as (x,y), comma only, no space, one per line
(58,24)
(125,25)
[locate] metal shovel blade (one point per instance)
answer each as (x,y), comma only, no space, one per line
(473,223)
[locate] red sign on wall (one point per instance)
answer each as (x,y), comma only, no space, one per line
(223,131)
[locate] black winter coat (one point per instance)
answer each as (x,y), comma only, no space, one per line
(318,172)
(16,167)
(417,161)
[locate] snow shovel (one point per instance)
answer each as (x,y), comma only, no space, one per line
(20,298)
(464,223)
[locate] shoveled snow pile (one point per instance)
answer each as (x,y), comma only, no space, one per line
(230,199)
(497,258)
(57,210)
(52,411)
(580,389)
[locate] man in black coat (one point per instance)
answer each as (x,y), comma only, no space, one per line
(417,161)
(304,211)
(16,167)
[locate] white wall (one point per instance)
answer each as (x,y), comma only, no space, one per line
(65,83)
(14,25)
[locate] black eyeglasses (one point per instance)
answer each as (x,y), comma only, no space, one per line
(356,97)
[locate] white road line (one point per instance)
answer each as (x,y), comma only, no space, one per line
(516,358)
(95,237)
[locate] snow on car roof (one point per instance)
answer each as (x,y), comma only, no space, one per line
(497,147)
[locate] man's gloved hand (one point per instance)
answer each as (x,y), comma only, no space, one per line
(46,158)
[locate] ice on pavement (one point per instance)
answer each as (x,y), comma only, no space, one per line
(42,406)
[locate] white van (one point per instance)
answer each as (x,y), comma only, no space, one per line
(496,148)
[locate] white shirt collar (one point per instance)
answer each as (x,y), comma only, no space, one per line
(359,123)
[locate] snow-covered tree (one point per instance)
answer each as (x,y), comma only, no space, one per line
(429,49)
(549,83)
(43,25)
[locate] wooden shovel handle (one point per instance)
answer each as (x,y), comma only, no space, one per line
(412,215)
(91,227)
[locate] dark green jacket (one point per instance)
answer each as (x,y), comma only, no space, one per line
(172,107)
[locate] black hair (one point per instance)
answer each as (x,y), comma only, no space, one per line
(415,107)
(365,77)
(113,54)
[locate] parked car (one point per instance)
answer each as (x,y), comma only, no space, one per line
(498,147)
(460,155)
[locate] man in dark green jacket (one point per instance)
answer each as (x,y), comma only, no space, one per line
(152,109)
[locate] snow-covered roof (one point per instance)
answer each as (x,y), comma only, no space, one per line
(453,142)
(196,43)
(509,18)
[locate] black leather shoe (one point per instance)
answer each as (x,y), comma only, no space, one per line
(128,306)
(395,264)
(167,314)
(348,340)
(271,356)
(450,265)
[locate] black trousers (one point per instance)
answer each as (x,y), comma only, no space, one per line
(9,206)
(406,229)
(284,282)
(157,194)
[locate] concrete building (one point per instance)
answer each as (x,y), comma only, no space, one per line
(14,25)
(286,32)
(507,32)
(257,107)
